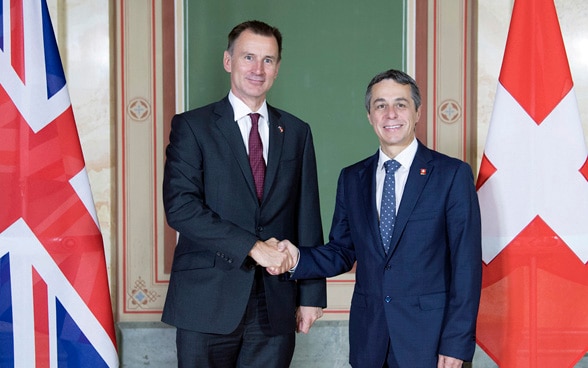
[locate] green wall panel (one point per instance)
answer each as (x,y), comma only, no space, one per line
(331,49)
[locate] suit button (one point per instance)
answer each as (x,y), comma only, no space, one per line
(388,299)
(260,229)
(388,267)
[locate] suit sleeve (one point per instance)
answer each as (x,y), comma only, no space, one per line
(464,240)
(183,198)
(338,255)
(312,292)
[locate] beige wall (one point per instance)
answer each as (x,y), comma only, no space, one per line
(112,57)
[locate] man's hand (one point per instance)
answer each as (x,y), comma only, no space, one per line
(285,246)
(449,362)
(306,316)
(266,254)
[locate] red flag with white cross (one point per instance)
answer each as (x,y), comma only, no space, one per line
(533,191)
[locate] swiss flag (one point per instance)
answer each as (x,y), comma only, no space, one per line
(55,308)
(533,191)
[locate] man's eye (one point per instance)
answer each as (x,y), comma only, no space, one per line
(401,105)
(268,61)
(248,57)
(380,106)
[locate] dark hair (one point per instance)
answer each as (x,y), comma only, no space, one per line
(399,77)
(257,27)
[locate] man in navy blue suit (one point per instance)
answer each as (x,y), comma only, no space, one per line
(416,295)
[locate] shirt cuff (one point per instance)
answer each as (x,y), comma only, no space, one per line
(293,269)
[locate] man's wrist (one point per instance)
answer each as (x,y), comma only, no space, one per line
(293,269)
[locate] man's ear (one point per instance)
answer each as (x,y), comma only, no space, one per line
(227,61)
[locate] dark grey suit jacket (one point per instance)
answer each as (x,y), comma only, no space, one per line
(209,198)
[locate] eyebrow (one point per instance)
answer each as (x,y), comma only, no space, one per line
(381,99)
(247,52)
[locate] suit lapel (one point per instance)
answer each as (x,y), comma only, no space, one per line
(367,181)
(230,130)
(277,129)
(414,186)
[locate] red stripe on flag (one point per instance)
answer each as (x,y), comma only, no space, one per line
(535,68)
(41,316)
(11,126)
(584,170)
(486,171)
(17,38)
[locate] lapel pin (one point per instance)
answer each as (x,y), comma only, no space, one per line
(281,129)
(423,171)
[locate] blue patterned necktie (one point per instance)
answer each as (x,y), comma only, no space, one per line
(388,205)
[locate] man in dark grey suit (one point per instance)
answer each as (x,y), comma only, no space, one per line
(229,312)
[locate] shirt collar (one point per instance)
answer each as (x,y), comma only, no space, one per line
(240,109)
(405,157)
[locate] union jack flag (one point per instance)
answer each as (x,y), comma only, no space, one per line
(55,308)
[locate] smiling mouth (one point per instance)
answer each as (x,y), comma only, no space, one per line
(393,126)
(256,80)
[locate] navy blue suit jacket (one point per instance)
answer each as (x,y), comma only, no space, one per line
(423,296)
(209,198)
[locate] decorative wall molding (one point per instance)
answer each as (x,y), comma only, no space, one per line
(451,91)
(143,124)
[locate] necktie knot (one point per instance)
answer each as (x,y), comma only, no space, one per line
(254,117)
(391,166)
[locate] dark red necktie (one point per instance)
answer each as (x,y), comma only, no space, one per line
(256,156)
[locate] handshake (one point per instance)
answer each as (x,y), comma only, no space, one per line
(276,256)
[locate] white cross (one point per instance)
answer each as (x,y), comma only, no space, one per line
(537,175)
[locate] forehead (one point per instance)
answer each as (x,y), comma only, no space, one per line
(251,42)
(389,89)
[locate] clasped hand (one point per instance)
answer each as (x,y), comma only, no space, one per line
(279,257)
(276,256)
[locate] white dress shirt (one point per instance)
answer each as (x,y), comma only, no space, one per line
(242,118)
(405,159)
